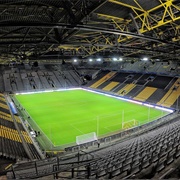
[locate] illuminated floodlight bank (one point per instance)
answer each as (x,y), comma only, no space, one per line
(145,59)
(99,59)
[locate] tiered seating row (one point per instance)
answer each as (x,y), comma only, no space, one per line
(147,86)
(143,156)
(41,79)
(103,79)
(150,152)
(9,133)
(171,96)
(11,144)
(5,106)
(126,89)
(145,93)
(110,86)
(11,149)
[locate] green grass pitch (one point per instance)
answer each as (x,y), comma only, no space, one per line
(63,115)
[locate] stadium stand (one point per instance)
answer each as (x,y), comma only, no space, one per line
(146,155)
(170,97)
(127,88)
(103,79)
(126,49)
(11,145)
(143,80)
(143,87)
(26,80)
(145,93)
(110,86)
(134,91)
(132,78)
(163,79)
(137,157)
(156,96)
(120,77)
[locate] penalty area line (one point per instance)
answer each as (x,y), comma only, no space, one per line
(77,129)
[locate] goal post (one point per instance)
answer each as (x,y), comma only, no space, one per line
(130,124)
(85,138)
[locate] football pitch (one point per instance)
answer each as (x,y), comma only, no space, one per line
(63,115)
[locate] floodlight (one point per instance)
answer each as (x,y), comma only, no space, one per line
(98,59)
(145,59)
(90,60)
(75,60)
(114,59)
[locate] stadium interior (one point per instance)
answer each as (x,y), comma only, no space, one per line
(125,48)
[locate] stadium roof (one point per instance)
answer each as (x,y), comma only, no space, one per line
(62,29)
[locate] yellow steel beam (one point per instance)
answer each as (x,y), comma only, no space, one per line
(146,18)
(109,17)
(107,41)
(139,5)
(149,20)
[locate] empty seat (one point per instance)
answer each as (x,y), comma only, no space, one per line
(161,164)
(154,157)
(171,155)
(145,163)
(126,167)
(125,173)
(101,173)
(115,173)
(135,169)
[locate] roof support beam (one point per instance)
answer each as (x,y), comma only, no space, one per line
(126,5)
(135,23)
(147,20)
(86,28)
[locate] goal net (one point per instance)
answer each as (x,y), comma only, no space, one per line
(85,138)
(130,124)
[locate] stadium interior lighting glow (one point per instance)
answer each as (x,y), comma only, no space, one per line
(164,109)
(145,59)
(90,60)
(132,101)
(120,59)
(75,60)
(149,105)
(60,89)
(114,59)
(98,59)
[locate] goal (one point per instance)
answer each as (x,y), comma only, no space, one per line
(130,124)
(85,138)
